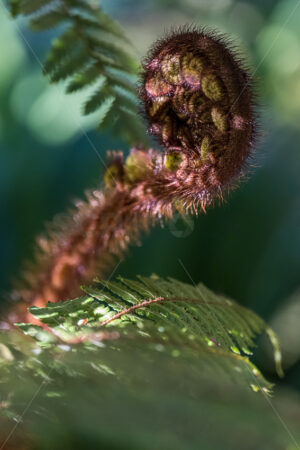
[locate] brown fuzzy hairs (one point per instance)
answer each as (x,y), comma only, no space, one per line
(198,101)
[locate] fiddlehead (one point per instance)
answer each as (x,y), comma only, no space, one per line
(199,104)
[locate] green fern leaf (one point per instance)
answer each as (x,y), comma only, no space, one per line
(109,119)
(84,79)
(151,347)
(82,6)
(121,78)
(70,65)
(127,96)
(62,48)
(48,20)
(97,99)
(28,7)
(92,47)
(169,312)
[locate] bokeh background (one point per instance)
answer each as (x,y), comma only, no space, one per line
(247,248)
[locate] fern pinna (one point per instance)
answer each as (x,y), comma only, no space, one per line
(121,349)
(151,310)
(198,101)
(92,51)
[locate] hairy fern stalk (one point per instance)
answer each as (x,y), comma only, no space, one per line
(198,103)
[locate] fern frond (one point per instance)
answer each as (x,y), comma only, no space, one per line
(83,79)
(86,51)
(48,20)
(143,345)
(101,101)
(78,61)
(192,172)
(170,313)
(27,7)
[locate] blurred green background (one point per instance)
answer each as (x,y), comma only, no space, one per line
(247,248)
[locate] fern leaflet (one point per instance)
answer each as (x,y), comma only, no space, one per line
(127,341)
(92,47)
(169,312)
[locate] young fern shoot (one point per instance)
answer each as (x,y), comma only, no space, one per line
(199,104)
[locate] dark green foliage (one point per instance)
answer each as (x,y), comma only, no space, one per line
(91,48)
(178,356)
(179,318)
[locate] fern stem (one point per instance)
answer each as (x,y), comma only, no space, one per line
(199,105)
(147,303)
(102,228)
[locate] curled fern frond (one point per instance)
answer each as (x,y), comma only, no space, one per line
(90,51)
(199,104)
(202,160)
